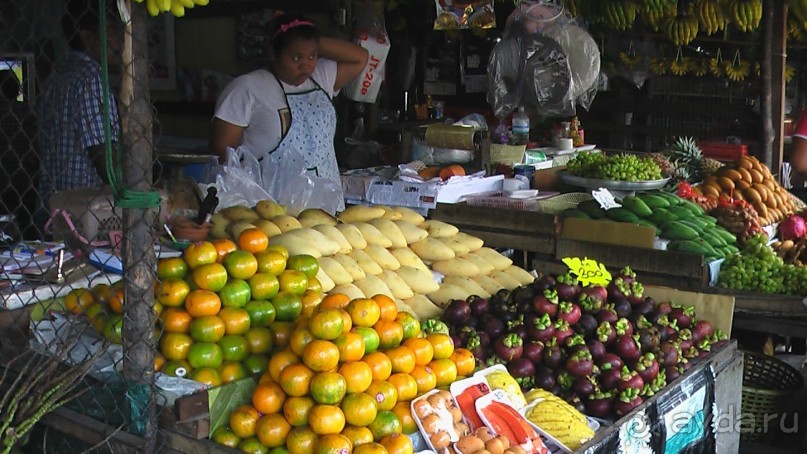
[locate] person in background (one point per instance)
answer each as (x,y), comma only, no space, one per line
(71,106)
(798,157)
(288,106)
(19,163)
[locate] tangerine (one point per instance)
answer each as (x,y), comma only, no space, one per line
(387,306)
(225,437)
(295,379)
(253,240)
(358,375)
(205,354)
(223,247)
(301,440)
(282,332)
(351,347)
(443,345)
(333,443)
(370,337)
(264,286)
(175,346)
(385,423)
(326,324)
(272,430)
(115,301)
(231,371)
(321,355)
(425,378)
(401,358)
(326,419)
(405,385)
(380,364)
(359,409)
(170,293)
(288,306)
(200,253)
(334,301)
(364,312)
(176,320)
(260,339)
(307,264)
(256,364)
(177,368)
(241,264)
(385,395)
(404,413)
(236,320)
(445,370)
(209,328)
(261,312)
(172,267)
(271,262)
(370,448)
(310,299)
(211,276)
(410,324)
(280,361)
(357,435)
(398,444)
(268,398)
(252,445)
(328,387)
(296,410)
(235,293)
(298,340)
(293,281)
(207,375)
(422,348)
(464,360)
(234,347)
(202,302)
(390,333)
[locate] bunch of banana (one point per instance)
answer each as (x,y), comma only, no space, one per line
(629,59)
(559,419)
(790,72)
(658,66)
(619,14)
(746,14)
(798,8)
(699,67)
(710,16)
(737,69)
(681,29)
(176,7)
(680,66)
(716,64)
(653,16)
(794,28)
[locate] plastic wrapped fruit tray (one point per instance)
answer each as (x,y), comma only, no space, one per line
(502,199)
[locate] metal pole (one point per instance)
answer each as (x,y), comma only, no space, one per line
(138,255)
(766,98)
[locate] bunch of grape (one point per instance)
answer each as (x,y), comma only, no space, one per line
(758,268)
(623,167)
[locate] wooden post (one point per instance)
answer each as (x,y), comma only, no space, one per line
(778,65)
(139,259)
(765,81)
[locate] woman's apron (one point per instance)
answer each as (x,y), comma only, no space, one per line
(310,136)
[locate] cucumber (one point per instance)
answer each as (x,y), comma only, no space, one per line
(662,216)
(575,213)
(681,212)
(678,231)
(621,215)
(646,223)
(636,206)
(592,208)
(654,201)
(696,209)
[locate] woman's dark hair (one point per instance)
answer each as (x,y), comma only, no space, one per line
(288,28)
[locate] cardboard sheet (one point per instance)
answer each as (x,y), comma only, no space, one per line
(718,309)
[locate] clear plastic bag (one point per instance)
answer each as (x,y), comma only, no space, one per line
(238,180)
(286,179)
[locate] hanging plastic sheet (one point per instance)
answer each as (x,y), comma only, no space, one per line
(464,14)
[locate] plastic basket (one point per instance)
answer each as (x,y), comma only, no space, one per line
(767,383)
(500,199)
(560,203)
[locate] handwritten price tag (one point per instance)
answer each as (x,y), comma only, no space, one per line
(588,271)
(605,198)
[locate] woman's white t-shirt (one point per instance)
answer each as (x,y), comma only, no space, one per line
(257,102)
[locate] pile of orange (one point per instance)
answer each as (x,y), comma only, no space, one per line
(344,381)
(102,305)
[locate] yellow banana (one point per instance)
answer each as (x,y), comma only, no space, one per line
(177,9)
(185,3)
(152,7)
(201,2)
(165,5)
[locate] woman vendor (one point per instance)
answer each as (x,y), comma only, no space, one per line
(288,107)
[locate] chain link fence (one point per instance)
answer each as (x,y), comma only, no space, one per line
(79,213)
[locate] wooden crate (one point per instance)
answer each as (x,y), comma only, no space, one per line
(528,231)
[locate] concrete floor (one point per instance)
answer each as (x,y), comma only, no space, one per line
(796,409)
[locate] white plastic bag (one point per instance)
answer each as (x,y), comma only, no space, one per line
(239,179)
(291,186)
(371,35)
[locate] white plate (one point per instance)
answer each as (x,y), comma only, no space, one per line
(524,194)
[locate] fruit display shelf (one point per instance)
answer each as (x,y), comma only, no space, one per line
(612,185)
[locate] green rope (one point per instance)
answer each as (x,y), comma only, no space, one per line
(124,198)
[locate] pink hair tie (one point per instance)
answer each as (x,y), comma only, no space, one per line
(295,23)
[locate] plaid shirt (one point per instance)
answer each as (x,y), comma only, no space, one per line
(71,119)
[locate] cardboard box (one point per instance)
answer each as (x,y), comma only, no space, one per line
(381,191)
(608,232)
(547,179)
(718,309)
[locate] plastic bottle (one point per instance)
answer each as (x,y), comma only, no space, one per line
(521,127)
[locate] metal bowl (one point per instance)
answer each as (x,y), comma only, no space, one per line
(612,185)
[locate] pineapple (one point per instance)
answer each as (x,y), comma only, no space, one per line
(686,154)
(709,166)
(667,167)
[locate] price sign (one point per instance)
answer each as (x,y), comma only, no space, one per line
(588,271)
(605,198)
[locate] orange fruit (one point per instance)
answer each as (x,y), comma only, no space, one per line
(293,281)
(235,293)
(209,328)
(175,346)
(464,360)
(101,292)
(282,332)
(321,355)
(404,413)
(364,312)
(387,306)
(268,398)
(200,253)
(264,286)
(176,320)
(234,347)
(333,443)
(370,448)
(328,388)
(177,368)
(422,348)
(442,344)
(205,354)
(301,440)
(380,364)
(253,240)
(296,409)
(370,337)
(347,322)
(298,340)
(223,247)
(266,378)
(252,445)
(207,375)
(279,248)
(212,276)
(170,293)
(326,324)
(296,379)
(385,395)
(310,299)
(261,312)
(358,375)
(390,333)
(202,302)
(402,359)
(280,361)
(304,263)
(314,285)
(231,371)
(241,264)
(271,262)
(256,364)
(225,437)
(425,378)
(159,362)
(326,419)
(405,385)
(115,301)
(351,347)
(445,370)
(359,409)
(398,443)
(385,423)
(272,430)
(172,267)
(260,339)
(334,301)
(288,306)
(113,328)
(410,324)
(236,320)
(357,435)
